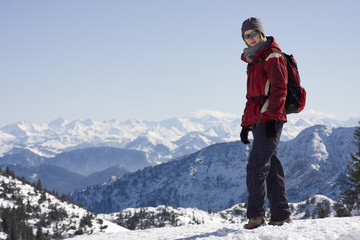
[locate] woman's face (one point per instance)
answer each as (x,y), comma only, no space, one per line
(250,38)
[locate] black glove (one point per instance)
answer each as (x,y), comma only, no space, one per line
(270,128)
(244,135)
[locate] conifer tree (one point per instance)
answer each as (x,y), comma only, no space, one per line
(38,185)
(9,173)
(351,196)
(39,234)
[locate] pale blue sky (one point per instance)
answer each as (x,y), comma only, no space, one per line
(154,60)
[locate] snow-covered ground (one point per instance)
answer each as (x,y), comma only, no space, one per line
(314,229)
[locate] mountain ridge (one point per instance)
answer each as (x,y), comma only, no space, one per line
(214,177)
(61,180)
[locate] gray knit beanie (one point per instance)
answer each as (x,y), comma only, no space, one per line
(252,23)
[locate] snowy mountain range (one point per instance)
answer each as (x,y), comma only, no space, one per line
(206,174)
(214,177)
(161,141)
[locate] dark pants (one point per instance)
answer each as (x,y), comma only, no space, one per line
(265,174)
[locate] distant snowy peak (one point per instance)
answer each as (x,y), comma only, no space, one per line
(58,123)
(310,117)
(298,122)
(216,114)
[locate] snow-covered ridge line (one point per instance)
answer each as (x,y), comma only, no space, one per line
(318,206)
(39,209)
(316,218)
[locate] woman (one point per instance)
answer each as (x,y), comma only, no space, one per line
(264,115)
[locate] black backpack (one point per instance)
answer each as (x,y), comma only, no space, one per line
(296,94)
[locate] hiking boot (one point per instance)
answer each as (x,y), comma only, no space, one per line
(279,223)
(255,222)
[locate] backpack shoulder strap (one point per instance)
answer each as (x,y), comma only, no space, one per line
(263,67)
(261,60)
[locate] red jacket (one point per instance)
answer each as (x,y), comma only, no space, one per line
(274,107)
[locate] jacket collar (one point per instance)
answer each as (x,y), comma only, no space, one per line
(273,44)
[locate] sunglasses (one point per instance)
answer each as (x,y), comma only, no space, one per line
(251,35)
